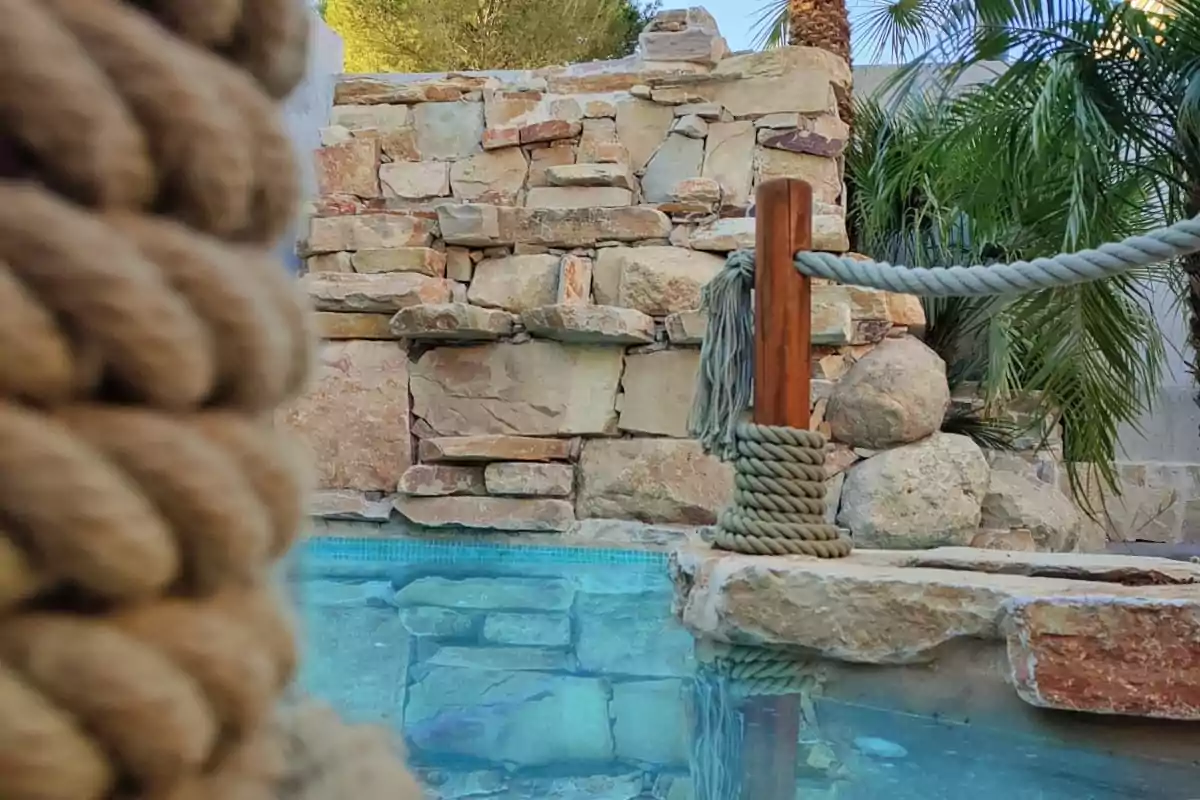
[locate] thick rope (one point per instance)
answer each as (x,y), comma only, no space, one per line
(761,671)
(146,338)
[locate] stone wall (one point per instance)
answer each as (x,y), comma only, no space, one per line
(507,268)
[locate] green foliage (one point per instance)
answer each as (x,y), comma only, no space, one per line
(461,35)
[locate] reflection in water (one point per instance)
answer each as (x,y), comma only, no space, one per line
(537,673)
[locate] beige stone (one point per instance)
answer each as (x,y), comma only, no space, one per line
(488,513)
(585,227)
(550,131)
(704,191)
(508,389)
(578,197)
(691,126)
(398,145)
(415,180)
(654,280)
(459,266)
(400,89)
(376,293)
(347,504)
(729,159)
(1019,540)
(686,327)
(832,321)
(641,127)
(614,175)
(354,416)
(475,449)
(657,392)
(378,117)
(340,325)
(498,138)
(822,174)
(525,479)
(652,480)
(364,231)
(906,310)
(423,260)
(504,109)
(329,262)
(350,167)
(1015,501)
(738,233)
(543,158)
(448,131)
(441,480)
(587,324)
(451,321)
(677,159)
(694,44)
(574,281)
(515,283)
(475,224)
(709,112)
(597,133)
(334,134)
(491,177)
(787,62)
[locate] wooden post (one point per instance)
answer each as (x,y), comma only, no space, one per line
(782,369)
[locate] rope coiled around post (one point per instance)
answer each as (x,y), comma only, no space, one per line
(779,495)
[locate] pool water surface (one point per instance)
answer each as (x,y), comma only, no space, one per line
(530,672)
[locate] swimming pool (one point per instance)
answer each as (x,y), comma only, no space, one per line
(536,672)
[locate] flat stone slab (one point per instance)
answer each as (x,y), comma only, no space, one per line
(1094,633)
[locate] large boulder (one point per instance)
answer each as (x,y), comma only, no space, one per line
(894,395)
(920,495)
(1017,501)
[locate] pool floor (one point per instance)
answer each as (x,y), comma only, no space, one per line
(516,673)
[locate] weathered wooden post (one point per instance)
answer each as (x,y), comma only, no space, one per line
(782,369)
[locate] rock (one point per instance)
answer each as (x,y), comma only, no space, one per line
(578,197)
(374,89)
(596,175)
(557,154)
(449,131)
(346,504)
(1016,501)
(530,630)
(498,138)
(1019,540)
(1090,654)
(459,266)
(832,321)
(515,283)
(895,394)
(698,43)
(366,231)
(468,712)
(415,180)
(491,177)
(340,325)
(488,513)
(821,173)
(649,723)
(378,293)
(350,167)
(494,448)
(920,495)
(578,788)
(451,322)
(439,480)
(354,416)
(342,594)
(503,389)
(329,262)
(879,748)
(399,145)
(654,280)
(502,659)
(372,640)
(523,479)
(599,139)
(738,233)
(824,136)
(581,324)
(652,644)
(686,327)
(690,126)
(574,281)
(699,191)
(657,392)
(475,225)
(652,480)
(834,486)
(729,159)
(641,127)
(678,158)
(377,117)
(488,594)
(422,260)
(584,227)
(550,131)
(906,310)
(436,623)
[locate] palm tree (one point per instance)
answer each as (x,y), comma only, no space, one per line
(824,24)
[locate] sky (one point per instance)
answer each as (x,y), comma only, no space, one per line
(736,19)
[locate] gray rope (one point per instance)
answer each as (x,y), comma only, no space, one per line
(779,495)
(1064,269)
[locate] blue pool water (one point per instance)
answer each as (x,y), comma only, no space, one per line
(526,672)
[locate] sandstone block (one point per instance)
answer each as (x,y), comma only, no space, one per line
(329,262)
(895,394)
(525,479)
(376,293)
(686,327)
(397,145)
(678,158)
(599,138)
(340,325)
(349,505)
(451,322)
(377,117)
(703,191)
(823,174)
(653,280)
(652,480)
(729,159)
(397,89)
(515,283)
(490,177)
(503,389)
(690,126)
(641,127)
(587,324)
(475,225)
(541,159)
(365,231)
(1018,540)
(448,131)
(497,138)
(584,227)
(415,180)
(1017,501)
(574,281)
(906,310)
(422,260)
(737,233)
(824,136)
(350,167)
(459,266)
(355,415)
(441,480)
(709,112)
(488,513)
(550,131)
(832,321)
(614,175)
(494,448)
(658,389)
(921,495)
(578,197)
(529,630)
(696,45)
